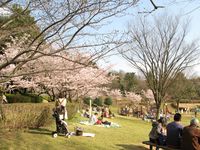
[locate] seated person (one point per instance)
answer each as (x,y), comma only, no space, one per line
(174,132)
(104,122)
(191,136)
(107,112)
(111,114)
(86,113)
(95,120)
(157,134)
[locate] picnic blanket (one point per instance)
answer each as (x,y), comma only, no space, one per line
(113,124)
(84,134)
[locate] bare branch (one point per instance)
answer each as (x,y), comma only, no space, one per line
(154,9)
(161,52)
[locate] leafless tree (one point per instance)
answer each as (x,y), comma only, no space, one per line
(164,4)
(160,50)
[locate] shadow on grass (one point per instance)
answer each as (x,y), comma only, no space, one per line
(40,131)
(131,147)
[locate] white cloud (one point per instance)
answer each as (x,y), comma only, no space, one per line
(5,12)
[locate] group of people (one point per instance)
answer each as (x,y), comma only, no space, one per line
(174,135)
(96,119)
(127,111)
(104,111)
(97,115)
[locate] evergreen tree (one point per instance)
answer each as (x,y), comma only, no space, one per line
(17,24)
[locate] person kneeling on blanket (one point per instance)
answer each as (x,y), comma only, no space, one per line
(95,120)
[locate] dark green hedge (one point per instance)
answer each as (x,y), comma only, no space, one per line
(108,101)
(86,100)
(98,101)
(25,98)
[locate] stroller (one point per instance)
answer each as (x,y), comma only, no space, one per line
(61,125)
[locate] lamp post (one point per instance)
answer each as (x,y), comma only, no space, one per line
(90,108)
(166,110)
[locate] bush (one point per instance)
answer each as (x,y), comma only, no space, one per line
(23,115)
(174,105)
(17,98)
(108,101)
(34,98)
(44,118)
(46,97)
(86,100)
(25,98)
(18,116)
(72,109)
(98,101)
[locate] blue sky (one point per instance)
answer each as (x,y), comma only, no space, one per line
(184,9)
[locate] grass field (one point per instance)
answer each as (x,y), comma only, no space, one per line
(128,137)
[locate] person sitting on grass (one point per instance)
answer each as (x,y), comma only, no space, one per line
(94,118)
(86,113)
(97,121)
(101,121)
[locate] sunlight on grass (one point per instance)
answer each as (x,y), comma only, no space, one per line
(129,136)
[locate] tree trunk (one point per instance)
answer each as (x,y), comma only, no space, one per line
(177,105)
(53,96)
(2,115)
(69,97)
(158,107)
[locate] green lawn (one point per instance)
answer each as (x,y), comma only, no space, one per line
(128,137)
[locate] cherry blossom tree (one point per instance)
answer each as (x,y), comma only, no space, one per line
(65,25)
(133,97)
(58,74)
(148,95)
(136,98)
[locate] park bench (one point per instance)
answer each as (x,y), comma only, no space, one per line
(158,146)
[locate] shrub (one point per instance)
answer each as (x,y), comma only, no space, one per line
(44,118)
(98,101)
(108,101)
(23,115)
(174,105)
(46,97)
(34,98)
(17,98)
(86,100)
(72,110)
(18,116)
(25,98)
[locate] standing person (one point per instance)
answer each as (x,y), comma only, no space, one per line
(4,99)
(61,102)
(191,136)
(174,132)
